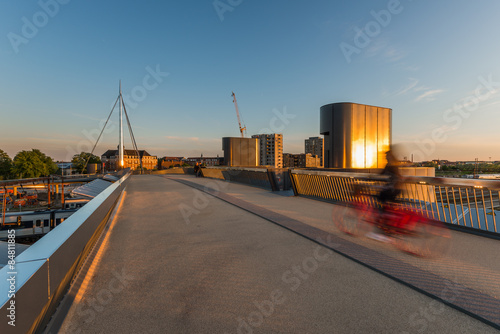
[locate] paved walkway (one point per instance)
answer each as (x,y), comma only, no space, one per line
(181,261)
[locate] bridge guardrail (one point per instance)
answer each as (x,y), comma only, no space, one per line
(43,272)
(274,179)
(472,203)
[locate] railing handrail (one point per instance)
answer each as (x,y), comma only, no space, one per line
(427,180)
(467,202)
(46,268)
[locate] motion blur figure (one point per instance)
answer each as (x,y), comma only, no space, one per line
(197,170)
(413,232)
(387,195)
(392,188)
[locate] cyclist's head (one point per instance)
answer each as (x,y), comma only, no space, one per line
(395,153)
(390,157)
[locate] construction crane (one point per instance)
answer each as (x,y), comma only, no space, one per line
(242,129)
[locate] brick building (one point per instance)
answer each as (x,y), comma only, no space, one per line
(205,161)
(167,162)
(303,160)
(130,159)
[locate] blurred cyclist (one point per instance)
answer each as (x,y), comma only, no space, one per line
(389,192)
(392,188)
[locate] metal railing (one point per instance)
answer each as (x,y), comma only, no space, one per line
(472,203)
(43,272)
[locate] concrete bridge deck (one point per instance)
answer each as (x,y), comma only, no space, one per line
(178,260)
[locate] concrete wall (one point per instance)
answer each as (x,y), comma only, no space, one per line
(268,178)
(176,170)
(214,173)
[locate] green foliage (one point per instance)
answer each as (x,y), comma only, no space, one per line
(467,169)
(449,168)
(32,163)
(5,165)
(80,161)
(430,164)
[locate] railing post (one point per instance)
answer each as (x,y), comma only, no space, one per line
(294,185)
(272,180)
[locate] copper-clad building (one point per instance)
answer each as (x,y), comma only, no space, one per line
(356,135)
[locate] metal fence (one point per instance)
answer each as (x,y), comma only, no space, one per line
(472,203)
(43,272)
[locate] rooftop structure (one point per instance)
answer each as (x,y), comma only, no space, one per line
(91,189)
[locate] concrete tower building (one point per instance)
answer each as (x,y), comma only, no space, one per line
(271,149)
(314,145)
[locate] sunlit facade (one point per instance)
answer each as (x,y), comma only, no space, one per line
(271,149)
(314,145)
(356,135)
(112,161)
(243,152)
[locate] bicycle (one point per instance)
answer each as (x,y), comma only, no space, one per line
(411,232)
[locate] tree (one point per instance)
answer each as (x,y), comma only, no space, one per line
(5,165)
(430,164)
(80,161)
(32,163)
(50,165)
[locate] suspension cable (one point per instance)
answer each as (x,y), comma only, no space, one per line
(104,127)
(132,137)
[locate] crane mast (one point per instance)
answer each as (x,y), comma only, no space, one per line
(242,129)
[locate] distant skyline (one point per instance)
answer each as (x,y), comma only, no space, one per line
(434,63)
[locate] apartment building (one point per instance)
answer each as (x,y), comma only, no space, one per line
(314,146)
(271,149)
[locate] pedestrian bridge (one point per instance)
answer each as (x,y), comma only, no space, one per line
(181,254)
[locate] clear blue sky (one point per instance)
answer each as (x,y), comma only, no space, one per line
(57,82)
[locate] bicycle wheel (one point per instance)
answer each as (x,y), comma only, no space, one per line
(428,238)
(352,221)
